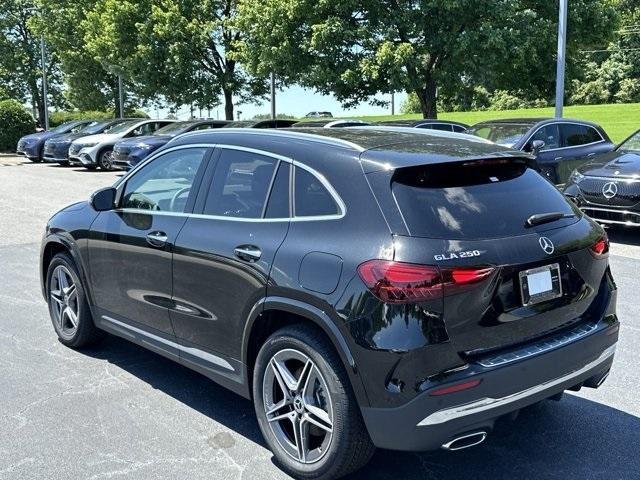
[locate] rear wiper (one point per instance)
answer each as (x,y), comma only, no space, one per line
(540,218)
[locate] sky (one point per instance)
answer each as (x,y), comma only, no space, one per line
(298,101)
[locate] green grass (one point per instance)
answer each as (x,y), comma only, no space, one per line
(619,120)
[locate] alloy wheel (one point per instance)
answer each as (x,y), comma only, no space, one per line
(106,160)
(298,406)
(63,298)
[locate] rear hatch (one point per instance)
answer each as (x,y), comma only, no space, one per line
(518,280)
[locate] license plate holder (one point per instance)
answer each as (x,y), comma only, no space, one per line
(540,284)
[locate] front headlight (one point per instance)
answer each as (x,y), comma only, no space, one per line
(87,145)
(143,146)
(576,177)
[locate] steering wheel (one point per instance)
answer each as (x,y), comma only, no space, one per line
(176,196)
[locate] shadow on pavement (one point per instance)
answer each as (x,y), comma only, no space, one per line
(573,438)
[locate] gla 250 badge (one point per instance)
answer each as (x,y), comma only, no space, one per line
(452,255)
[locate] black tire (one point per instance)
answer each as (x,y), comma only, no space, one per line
(104,161)
(85,333)
(350,447)
(90,167)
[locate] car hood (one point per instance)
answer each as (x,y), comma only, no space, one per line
(40,136)
(613,164)
(154,140)
(66,137)
(99,138)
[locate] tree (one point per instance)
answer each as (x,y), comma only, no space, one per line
(20,64)
(89,85)
(181,49)
(357,48)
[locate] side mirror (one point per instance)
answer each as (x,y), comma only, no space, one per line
(536,146)
(104,199)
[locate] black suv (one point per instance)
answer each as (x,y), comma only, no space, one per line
(366,288)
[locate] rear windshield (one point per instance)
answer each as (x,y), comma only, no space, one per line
(475,200)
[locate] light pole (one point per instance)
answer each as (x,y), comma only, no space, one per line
(562,47)
(121,95)
(393,104)
(45,100)
(273,96)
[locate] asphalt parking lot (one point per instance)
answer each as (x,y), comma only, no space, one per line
(119,411)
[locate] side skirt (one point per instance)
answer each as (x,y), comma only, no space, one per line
(227,372)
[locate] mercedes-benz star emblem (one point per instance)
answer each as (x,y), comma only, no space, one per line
(546,245)
(609,190)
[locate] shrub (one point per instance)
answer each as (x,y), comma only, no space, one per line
(15,122)
(590,93)
(629,91)
(411,104)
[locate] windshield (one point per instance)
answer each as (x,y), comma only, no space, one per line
(507,134)
(64,128)
(122,127)
(173,128)
(93,127)
(632,144)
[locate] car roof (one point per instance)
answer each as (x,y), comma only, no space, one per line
(385,148)
(535,121)
(420,121)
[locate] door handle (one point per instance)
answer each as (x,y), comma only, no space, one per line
(591,154)
(248,253)
(557,158)
(157,239)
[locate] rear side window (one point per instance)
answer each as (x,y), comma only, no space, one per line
(475,200)
(459,129)
(240,184)
(312,199)
(575,135)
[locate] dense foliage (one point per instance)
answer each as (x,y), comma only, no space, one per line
(447,54)
(57,118)
(15,122)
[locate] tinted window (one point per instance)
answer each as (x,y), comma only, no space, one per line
(507,134)
(575,135)
(240,184)
(164,184)
(465,201)
(441,126)
(278,204)
(548,134)
(459,129)
(311,197)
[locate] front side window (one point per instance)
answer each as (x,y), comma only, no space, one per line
(312,199)
(575,135)
(240,184)
(505,134)
(548,134)
(165,183)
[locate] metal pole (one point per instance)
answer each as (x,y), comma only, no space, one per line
(273,96)
(562,47)
(45,99)
(393,104)
(121,95)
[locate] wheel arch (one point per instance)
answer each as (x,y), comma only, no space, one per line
(55,244)
(273,313)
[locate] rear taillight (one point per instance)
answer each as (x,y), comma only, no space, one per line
(601,247)
(399,282)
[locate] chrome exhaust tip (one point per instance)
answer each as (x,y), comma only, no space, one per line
(465,441)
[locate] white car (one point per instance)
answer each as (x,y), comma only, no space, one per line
(96,150)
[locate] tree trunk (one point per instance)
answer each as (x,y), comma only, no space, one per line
(36,102)
(228,104)
(427,98)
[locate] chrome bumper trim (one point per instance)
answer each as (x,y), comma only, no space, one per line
(484,404)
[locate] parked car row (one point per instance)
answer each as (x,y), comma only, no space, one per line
(559,145)
(376,286)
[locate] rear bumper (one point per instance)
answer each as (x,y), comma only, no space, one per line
(428,422)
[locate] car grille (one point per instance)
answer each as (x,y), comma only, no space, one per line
(74,149)
(627,195)
(612,216)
